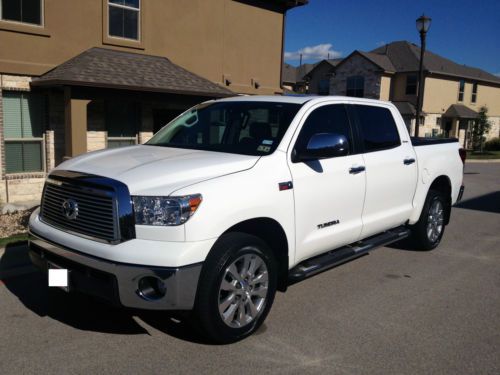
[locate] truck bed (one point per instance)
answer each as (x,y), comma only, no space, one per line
(423,141)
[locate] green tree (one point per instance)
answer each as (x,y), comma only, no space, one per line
(480,127)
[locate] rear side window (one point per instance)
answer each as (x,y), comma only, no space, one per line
(326,119)
(377,126)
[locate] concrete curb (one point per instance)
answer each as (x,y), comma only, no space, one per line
(15,262)
(482,161)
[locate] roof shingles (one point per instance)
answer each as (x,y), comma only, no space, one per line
(100,67)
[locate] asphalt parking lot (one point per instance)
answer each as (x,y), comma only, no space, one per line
(395,311)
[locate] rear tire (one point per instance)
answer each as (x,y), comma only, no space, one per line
(429,229)
(236,288)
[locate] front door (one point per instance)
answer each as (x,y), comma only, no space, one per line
(328,193)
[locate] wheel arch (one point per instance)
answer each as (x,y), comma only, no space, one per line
(443,185)
(273,234)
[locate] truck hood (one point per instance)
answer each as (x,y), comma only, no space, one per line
(156,170)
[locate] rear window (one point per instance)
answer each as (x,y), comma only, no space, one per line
(378,129)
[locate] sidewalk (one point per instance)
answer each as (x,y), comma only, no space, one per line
(15,261)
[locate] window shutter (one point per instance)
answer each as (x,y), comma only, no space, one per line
(12,114)
(32,115)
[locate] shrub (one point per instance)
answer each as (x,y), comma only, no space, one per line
(492,144)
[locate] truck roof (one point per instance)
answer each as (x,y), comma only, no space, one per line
(293,99)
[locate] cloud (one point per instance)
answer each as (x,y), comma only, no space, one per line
(381,43)
(318,52)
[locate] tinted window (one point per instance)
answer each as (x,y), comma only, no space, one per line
(379,131)
(326,119)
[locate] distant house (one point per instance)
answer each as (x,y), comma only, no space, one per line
(453,93)
(320,75)
(294,78)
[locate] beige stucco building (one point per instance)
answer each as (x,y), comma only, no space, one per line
(79,76)
(453,93)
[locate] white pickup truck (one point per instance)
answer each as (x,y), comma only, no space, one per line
(237,198)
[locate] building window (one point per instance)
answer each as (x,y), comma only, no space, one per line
(25,11)
(438,120)
(473,99)
(324,86)
(411,84)
(355,86)
(124,18)
(24,116)
(122,123)
(461,90)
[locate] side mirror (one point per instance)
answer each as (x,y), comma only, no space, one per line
(323,146)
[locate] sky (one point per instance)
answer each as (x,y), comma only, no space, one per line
(467,32)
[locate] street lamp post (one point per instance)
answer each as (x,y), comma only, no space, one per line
(423,24)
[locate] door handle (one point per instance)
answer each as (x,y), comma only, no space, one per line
(409,161)
(356,170)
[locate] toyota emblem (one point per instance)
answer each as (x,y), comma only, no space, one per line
(70,209)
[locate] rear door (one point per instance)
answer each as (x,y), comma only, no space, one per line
(328,194)
(391,168)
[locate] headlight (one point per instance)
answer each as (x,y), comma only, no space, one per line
(165,210)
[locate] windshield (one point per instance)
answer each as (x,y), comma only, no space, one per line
(249,128)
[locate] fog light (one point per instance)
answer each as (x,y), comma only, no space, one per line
(151,288)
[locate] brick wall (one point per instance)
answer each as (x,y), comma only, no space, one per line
(357,66)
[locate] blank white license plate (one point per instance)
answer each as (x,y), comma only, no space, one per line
(58,277)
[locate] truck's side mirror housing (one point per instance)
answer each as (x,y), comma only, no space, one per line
(323,146)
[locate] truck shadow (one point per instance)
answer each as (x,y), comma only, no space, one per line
(488,202)
(86,313)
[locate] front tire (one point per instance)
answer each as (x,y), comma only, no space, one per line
(428,231)
(236,288)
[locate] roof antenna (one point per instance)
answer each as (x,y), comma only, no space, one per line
(328,56)
(300,64)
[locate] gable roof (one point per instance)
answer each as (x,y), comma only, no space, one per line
(294,74)
(101,67)
(331,62)
(405,56)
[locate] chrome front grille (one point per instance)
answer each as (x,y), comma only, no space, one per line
(80,209)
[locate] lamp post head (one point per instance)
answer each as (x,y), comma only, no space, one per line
(423,23)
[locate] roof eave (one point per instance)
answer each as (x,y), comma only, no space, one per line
(58,82)
(464,77)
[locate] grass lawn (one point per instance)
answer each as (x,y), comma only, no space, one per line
(12,239)
(484,155)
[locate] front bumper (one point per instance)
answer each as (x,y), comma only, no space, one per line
(117,282)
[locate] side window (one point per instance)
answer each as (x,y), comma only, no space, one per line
(378,129)
(124,18)
(326,119)
(25,11)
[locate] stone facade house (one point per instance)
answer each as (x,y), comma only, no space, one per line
(80,76)
(319,76)
(453,93)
